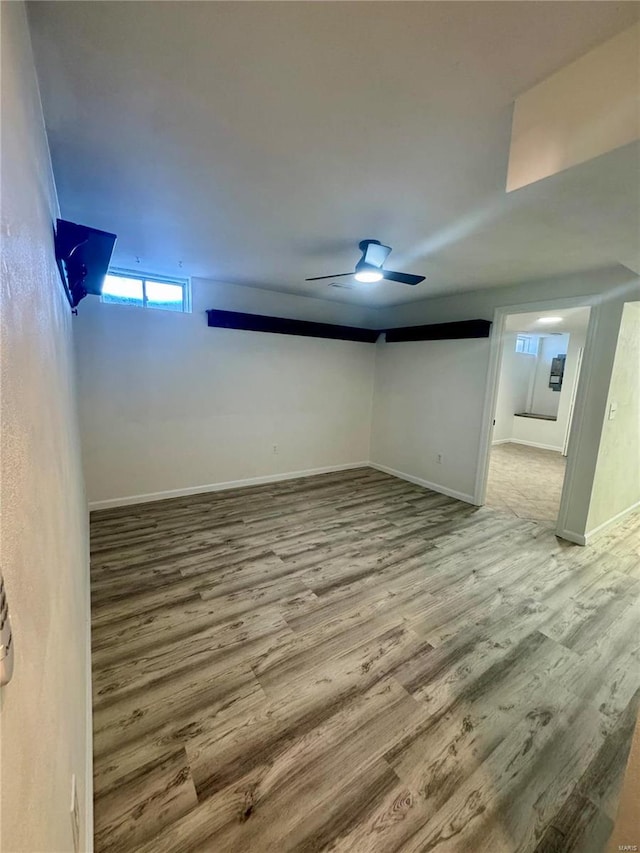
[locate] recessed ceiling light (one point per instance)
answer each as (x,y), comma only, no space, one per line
(549,319)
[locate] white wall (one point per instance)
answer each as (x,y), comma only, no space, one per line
(551,434)
(253,300)
(546,401)
(617,283)
(169,404)
(427,394)
(516,374)
(45,708)
(616,486)
(582,111)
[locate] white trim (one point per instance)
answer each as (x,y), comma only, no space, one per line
(535,444)
(578,420)
(496,346)
(435,487)
(219,487)
(491,392)
(601,527)
(501,441)
(571,536)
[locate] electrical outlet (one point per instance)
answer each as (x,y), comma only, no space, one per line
(439,458)
(275,448)
(74,811)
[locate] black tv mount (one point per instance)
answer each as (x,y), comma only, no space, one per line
(83,255)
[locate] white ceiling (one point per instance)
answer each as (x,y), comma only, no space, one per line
(572,320)
(259,142)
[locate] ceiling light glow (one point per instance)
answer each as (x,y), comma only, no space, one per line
(549,320)
(368,276)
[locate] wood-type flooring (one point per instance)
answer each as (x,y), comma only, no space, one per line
(350,662)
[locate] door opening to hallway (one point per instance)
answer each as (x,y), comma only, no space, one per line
(539,371)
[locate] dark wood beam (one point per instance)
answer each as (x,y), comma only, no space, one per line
(284,326)
(441,331)
(304,328)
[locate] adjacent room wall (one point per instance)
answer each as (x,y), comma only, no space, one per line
(545,401)
(168,404)
(45,709)
(516,373)
(551,434)
(616,486)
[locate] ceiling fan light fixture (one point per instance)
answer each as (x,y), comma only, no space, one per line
(368,276)
(370,267)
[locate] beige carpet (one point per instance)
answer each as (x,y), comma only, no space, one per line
(526,481)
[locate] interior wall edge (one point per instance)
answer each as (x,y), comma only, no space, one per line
(427,484)
(46,707)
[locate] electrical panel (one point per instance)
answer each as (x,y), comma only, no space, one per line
(557,372)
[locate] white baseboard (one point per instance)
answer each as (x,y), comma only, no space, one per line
(435,487)
(585,538)
(219,487)
(571,536)
(616,518)
(501,441)
(535,444)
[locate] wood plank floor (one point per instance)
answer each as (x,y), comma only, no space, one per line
(349,662)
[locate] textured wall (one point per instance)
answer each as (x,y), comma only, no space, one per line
(616,485)
(43,710)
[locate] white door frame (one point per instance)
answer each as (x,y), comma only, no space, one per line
(572,401)
(496,343)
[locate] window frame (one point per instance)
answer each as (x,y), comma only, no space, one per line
(529,340)
(143,278)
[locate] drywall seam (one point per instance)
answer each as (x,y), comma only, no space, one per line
(435,487)
(220,487)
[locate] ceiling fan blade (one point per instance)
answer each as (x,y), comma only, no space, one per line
(375,254)
(320,277)
(402,277)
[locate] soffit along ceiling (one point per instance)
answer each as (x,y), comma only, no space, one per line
(257,143)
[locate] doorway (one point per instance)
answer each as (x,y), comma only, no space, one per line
(539,368)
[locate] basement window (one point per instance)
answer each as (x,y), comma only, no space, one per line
(527,344)
(126,288)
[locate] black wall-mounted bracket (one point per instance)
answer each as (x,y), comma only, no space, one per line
(83,255)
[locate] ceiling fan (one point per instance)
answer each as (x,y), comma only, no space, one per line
(370,266)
